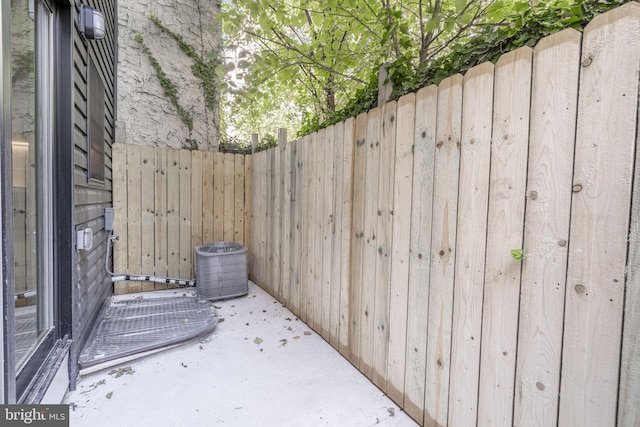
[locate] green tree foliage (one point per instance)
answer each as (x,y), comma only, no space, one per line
(264,112)
(323,56)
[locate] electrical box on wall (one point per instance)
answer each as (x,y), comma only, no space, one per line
(84,239)
(108,219)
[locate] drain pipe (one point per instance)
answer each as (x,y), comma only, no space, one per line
(120,277)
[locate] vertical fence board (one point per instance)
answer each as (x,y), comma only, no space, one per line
(327,230)
(273,253)
(256,217)
(629,400)
(186,250)
(264,256)
(173,213)
(370,250)
(207,197)
(315,251)
(357,235)
(470,244)
(229,197)
(336,228)
(262,180)
(314,204)
(504,233)
(197,195)
(294,229)
(299,214)
(276,231)
(544,270)
(303,179)
(605,143)
(318,226)
(348,142)
(312,252)
(160,226)
(443,250)
(278,224)
(147,213)
(409,344)
(238,199)
(248,212)
(260,208)
(264,248)
(286,221)
(383,243)
(268,231)
(284,263)
(253,255)
(120,208)
(134,236)
(401,229)
(218,196)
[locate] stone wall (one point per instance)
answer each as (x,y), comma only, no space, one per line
(146,116)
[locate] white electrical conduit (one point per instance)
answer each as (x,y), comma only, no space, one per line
(120,277)
(25,294)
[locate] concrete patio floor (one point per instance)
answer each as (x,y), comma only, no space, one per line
(260,367)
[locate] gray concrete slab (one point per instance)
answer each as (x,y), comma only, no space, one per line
(260,367)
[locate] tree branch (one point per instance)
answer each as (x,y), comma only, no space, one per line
(282,43)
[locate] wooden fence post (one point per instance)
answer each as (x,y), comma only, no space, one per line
(282,136)
(254,143)
(384,89)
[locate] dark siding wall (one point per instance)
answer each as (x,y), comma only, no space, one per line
(92,284)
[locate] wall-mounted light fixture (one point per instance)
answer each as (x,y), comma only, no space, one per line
(91,23)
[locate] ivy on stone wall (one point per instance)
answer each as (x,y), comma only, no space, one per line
(204,69)
(170,91)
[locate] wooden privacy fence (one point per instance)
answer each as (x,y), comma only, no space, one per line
(391,235)
(168,201)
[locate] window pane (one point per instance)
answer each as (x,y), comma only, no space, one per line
(31,158)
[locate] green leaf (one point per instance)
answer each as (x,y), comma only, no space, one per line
(448,24)
(432,24)
(254,8)
(316,18)
(109,395)
(517,254)
(300,19)
(466,18)
(460,4)
(521,6)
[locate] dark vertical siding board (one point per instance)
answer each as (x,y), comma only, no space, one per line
(93,285)
(80,88)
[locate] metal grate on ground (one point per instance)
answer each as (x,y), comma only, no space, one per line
(130,327)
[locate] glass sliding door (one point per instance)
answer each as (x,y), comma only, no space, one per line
(32,118)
